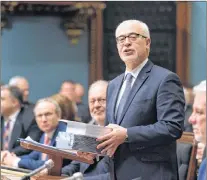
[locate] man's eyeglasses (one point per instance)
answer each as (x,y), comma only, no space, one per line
(132,37)
(100,101)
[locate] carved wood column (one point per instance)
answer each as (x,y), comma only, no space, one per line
(96,53)
(183,40)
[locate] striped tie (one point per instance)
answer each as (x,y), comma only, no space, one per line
(6,135)
(124,97)
(46,142)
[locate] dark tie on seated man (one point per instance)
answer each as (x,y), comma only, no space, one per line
(47,113)
(101,169)
(17,121)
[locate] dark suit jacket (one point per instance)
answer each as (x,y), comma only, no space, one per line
(98,171)
(187,126)
(33,160)
(154,118)
(25,125)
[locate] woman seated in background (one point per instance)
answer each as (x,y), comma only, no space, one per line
(66,106)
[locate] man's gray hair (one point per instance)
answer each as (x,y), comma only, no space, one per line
(201,87)
(144,26)
(57,107)
(97,83)
(13,81)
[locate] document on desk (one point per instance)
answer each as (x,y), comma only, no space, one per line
(81,137)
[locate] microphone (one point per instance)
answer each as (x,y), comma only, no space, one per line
(75,176)
(48,165)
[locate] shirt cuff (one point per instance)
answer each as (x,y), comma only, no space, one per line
(16,162)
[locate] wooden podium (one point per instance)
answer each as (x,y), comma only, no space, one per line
(55,154)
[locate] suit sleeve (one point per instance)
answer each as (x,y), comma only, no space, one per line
(32,155)
(31,161)
(70,169)
(105,176)
(170,116)
(34,132)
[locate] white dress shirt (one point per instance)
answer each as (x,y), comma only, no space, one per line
(12,118)
(135,72)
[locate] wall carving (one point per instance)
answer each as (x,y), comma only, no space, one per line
(161,19)
(77,17)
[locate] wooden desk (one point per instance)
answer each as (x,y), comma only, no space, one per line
(14,175)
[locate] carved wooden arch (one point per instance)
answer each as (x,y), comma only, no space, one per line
(91,11)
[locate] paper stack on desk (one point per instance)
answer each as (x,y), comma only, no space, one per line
(81,137)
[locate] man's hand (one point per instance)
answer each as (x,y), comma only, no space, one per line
(44,172)
(111,141)
(3,155)
(9,159)
(86,155)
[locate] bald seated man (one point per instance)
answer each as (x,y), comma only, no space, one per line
(23,84)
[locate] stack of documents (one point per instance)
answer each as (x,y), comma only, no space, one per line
(81,137)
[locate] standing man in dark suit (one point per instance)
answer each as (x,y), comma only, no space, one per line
(145,108)
(16,121)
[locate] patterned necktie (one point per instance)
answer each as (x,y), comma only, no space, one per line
(6,135)
(124,97)
(46,142)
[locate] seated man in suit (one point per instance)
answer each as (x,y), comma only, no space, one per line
(83,110)
(198,121)
(101,167)
(47,113)
(23,84)
(16,122)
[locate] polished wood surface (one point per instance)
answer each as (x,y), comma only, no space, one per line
(55,154)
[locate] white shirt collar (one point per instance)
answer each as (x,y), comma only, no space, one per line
(50,134)
(136,70)
(14,115)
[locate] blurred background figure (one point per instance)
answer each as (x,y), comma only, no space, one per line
(66,106)
(79,91)
(17,121)
(188,92)
(23,84)
(1,84)
(82,109)
(68,89)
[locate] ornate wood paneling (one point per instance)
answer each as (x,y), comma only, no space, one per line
(77,17)
(161,17)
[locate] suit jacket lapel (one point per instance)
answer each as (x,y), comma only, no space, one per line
(115,96)
(141,78)
(16,132)
(84,167)
(2,131)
